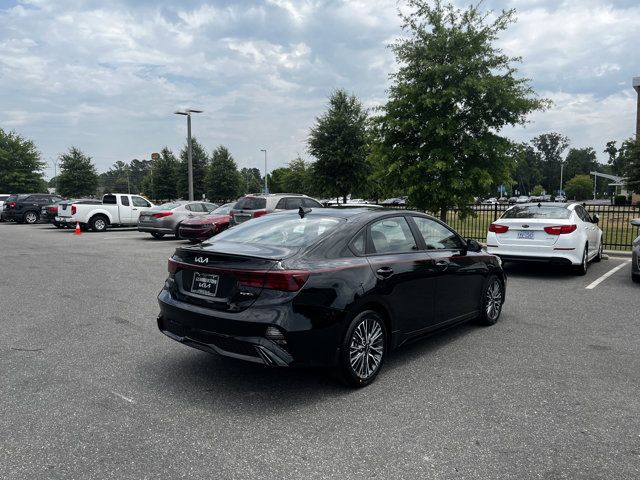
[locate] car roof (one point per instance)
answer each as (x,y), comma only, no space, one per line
(545,204)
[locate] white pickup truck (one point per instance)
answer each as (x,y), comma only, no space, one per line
(116,210)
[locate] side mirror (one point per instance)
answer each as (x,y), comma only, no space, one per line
(473,245)
(596,218)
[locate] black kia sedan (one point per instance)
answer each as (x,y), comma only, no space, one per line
(327,287)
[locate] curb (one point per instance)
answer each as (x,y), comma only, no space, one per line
(618,253)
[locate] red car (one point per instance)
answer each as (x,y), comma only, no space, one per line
(201,228)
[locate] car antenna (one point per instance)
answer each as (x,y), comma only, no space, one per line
(303,211)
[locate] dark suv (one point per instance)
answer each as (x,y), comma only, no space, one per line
(25,208)
(256,205)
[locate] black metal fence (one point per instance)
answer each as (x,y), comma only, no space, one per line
(618,233)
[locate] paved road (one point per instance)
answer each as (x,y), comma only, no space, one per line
(91,389)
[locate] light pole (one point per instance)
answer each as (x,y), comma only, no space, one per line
(266,188)
(561,171)
(188,113)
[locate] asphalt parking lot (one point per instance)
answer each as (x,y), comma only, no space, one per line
(91,389)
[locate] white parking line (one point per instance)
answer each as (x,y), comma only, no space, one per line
(597,282)
(130,400)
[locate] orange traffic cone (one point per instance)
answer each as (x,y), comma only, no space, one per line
(77,232)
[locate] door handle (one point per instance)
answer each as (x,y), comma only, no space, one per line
(134,209)
(384,271)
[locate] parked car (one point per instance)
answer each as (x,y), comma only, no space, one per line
(394,201)
(165,219)
(512,200)
(635,255)
(254,206)
(558,233)
(490,201)
(25,208)
(115,210)
(328,287)
(199,229)
(3,197)
(48,213)
(560,198)
(522,199)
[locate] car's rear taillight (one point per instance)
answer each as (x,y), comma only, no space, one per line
(259,213)
(52,209)
(497,228)
(161,214)
(11,204)
(73,209)
(173,266)
(284,280)
(560,229)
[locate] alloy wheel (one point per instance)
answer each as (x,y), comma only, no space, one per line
(366,348)
(30,217)
(494,300)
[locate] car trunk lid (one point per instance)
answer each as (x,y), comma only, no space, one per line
(527,231)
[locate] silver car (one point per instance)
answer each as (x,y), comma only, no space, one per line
(165,219)
(635,256)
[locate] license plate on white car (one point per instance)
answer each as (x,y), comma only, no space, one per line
(205,284)
(526,235)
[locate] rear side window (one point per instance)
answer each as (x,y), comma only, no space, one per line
(392,235)
(311,203)
(124,201)
(533,211)
(437,236)
(109,200)
(251,203)
(140,202)
(293,203)
(195,207)
(166,206)
(30,198)
(358,244)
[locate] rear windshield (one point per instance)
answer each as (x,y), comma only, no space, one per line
(251,203)
(166,206)
(12,198)
(281,230)
(224,209)
(533,211)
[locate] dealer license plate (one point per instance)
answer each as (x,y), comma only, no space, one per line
(526,235)
(205,284)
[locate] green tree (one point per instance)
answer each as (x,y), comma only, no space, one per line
(275,179)
(528,168)
(537,190)
(78,176)
(200,163)
(223,180)
(338,142)
(580,161)
(163,177)
(20,165)
(138,170)
(298,176)
(579,187)
(550,147)
(251,180)
(632,165)
(452,95)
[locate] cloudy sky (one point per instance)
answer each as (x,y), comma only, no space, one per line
(106,76)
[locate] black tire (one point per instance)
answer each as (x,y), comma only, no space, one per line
(192,241)
(635,277)
(98,223)
(31,217)
(58,225)
(584,266)
(354,371)
(157,235)
(491,301)
(598,257)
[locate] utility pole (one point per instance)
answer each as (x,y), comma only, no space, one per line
(188,113)
(266,188)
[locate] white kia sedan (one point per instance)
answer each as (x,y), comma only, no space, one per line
(542,232)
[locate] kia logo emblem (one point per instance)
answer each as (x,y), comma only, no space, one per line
(201,260)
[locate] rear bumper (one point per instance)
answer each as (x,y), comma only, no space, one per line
(147,229)
(199,234)
(241,335)
(549,254)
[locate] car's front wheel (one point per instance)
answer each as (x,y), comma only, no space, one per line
(363,349)
(492,300)
(31,218)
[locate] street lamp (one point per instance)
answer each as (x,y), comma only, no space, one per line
(188,113)
(266,188)
(561,171)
